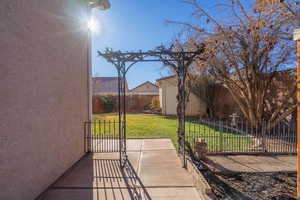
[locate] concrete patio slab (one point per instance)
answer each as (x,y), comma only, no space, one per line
(160,168)
(154,172)
(87,194)
(251,163)
(157,144)
(97,170)
(134,144)
(173,193)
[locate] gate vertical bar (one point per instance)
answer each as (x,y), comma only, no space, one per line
(124,116)
(119,112)
(183,128)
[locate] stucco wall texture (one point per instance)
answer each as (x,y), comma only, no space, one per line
(43,87)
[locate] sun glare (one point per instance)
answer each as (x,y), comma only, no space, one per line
(93,25)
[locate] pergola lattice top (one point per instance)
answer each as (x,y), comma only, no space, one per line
(168,56)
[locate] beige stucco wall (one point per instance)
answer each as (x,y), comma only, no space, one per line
(168,101)
(43,76)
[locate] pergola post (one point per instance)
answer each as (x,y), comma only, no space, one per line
(181,106)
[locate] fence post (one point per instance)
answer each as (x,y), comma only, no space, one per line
(89,136)
(264,130)
(242,125)
(221,135)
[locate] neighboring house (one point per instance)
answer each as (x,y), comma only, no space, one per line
(168,102)
(224,103)
(106,86)
(146,88)
(44,93)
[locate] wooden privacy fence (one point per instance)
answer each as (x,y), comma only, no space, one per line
(227,137)
(134,103)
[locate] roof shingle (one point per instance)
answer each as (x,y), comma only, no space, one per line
(106,85)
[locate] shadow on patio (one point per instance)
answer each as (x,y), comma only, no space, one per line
(99,178)
(154,171)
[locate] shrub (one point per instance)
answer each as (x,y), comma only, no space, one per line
(109,102)
(147,106)
(155,104)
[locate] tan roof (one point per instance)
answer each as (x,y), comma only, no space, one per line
(106,85)
(146,88)
(166,77)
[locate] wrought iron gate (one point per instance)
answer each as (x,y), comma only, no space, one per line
(102,136)
(110,136)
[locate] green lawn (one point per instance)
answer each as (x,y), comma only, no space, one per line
(155,126)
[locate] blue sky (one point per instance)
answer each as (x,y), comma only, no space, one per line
(139,25)
(135,25)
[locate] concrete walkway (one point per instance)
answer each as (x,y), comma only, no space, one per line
(252,163)
(154,172)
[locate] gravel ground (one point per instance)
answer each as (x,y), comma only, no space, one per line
(252,186)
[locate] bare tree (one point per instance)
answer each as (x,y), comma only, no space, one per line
(289,9)
(204,88)
(246,54)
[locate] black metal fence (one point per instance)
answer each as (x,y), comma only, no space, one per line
(102,136)
(240,137)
